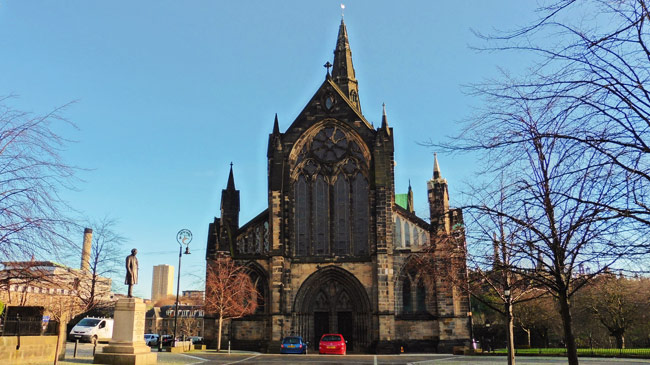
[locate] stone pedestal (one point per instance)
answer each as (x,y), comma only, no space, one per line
(127,345)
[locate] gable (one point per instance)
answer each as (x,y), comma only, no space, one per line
(329,102)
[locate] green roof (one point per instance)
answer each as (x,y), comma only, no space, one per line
(402,200)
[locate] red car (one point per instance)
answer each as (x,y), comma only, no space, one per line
(332,344)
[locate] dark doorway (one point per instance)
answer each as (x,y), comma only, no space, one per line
(332,300)
(321,326)
(345,322)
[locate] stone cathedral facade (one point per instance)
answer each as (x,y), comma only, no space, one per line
(331,252)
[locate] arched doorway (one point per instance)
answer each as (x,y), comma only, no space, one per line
(332,300)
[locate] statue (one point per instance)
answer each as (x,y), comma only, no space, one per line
(131,271)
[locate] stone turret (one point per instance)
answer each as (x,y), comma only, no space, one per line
(438,198)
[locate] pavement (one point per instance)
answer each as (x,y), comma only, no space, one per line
(85,356)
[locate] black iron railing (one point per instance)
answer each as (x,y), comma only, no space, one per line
(31,326)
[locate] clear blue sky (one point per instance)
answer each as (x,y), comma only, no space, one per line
(170,92)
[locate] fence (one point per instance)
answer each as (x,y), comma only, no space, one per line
(583,352)
(30,326)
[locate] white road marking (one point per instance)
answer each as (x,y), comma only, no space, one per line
(248,358)
(195,357)
(375,359)
(430,361)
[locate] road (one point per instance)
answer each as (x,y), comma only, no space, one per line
(84,356)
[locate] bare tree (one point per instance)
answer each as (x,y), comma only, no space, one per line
(617,304)
(596,71)
(33,219)
(546,184)
(575,132)
(493,278)
(496,268)
(23,274)
(105,261)
(229,291)
(537,316)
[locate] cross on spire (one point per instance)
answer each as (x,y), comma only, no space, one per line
(327,65)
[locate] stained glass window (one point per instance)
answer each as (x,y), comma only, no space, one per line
(407,300)
(398,232)
(341,216)
(420,297)
(320,216)
(302,217)
(361,214)
(407,234)
(331,194)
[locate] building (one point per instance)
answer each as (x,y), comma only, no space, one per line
(193,295)
(161,320)
(56,287)
(162,285)
(332,253)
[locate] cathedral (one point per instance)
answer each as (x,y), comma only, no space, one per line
(334,250)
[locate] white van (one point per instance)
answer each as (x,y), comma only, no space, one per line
(92,329)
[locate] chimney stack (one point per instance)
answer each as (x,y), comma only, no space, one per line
(85,252)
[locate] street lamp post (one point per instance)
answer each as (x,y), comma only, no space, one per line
(183,237)
(509,329)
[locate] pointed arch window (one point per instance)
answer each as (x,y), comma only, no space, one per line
(407,299)
(260,284)
(414,293)
(407,234)
(341,215)
(398,232)
(361,214)
(303,213)
(420,297)
(320,216)
(331,193)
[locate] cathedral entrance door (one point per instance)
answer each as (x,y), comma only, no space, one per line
(333,301)
(321,326)
(346,324)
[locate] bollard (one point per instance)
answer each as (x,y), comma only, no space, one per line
(228,347)
(94,347)
(76,343)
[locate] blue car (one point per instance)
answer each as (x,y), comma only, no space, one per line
(293,345)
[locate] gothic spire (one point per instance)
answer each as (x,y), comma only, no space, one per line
(276,126)
(384,120)
(409,200)
(231,180)
(342,70)
(436,167)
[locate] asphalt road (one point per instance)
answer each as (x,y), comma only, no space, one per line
(84,356)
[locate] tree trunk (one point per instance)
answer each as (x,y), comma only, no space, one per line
(219,333)
(510,332)
(571,350)
(620,340)
(527,336)
(60,341)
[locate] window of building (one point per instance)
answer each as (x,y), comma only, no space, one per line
(414,293)
(407,234)
(420,297)
(398,232)
(407,300)
(331,195)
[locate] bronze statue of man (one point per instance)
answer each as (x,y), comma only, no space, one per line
(131,271)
